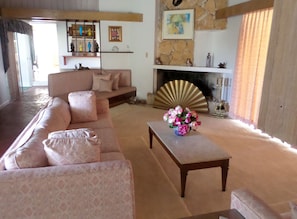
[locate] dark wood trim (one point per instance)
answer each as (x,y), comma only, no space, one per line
(243,8)
(45,14)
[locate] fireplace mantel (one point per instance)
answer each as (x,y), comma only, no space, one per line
(193,69)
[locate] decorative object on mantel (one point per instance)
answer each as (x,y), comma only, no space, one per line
(180,92)
(222,65)
(178,24)
(208,60)
(115,49)
(189,62)
(182,120)
(158,61)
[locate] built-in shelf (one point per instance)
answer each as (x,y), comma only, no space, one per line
(194,69)
(77,56)
(116,52)
(84,55)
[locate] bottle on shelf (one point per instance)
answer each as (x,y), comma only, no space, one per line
(208,60)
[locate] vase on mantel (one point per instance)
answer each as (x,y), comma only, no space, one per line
(182,130)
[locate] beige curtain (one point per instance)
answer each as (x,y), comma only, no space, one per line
(250,66)
(278,111)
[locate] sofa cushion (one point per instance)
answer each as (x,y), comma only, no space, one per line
(82,106)
(73,133)
(63,107)
(64,151)
(109,140)
(105,85)
(54,118)
(97,78)
(29,155)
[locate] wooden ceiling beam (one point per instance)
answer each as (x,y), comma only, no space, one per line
(45,14)
(243,8)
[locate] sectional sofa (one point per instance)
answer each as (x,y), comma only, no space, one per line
(67,163)
(112,84)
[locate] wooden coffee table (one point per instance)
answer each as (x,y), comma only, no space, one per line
(191,152)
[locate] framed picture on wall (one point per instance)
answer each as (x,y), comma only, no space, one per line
(178,24)
(115,33)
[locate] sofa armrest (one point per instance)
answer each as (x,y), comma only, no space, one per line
(102,106)
(250,206)
(93,190)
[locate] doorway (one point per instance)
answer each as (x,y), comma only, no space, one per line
(46,51)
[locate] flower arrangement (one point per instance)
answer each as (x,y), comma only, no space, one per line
(183,120)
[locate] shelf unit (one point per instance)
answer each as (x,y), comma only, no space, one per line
(95,56)
(81,38)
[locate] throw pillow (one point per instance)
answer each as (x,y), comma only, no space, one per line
(82,106)
(65,151)
(115,80)
(105,85)
(73,133)
(97,78)
(293,210)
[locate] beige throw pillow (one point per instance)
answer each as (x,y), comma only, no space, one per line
(115,80)
(65,151)
(83,106)
(105,85)
(73,133)
(97,78)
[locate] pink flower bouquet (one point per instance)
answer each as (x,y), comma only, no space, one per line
(183,120)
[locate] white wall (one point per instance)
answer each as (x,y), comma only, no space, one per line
(140,38)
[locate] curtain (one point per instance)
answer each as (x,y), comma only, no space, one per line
(278,108)
(250,66)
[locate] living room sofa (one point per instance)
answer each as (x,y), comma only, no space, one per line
(252,207)
(62,83)
(33,185)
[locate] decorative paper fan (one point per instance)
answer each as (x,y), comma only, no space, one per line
(180,92)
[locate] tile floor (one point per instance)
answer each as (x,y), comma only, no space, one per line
(16,115)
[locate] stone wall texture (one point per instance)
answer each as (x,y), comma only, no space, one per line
(176,52)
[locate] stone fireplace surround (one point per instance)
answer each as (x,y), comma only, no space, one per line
(214,83)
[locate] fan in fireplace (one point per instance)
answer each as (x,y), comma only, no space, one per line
(180,92)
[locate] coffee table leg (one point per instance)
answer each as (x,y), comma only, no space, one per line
(183,178)
(151,137)
(225,168)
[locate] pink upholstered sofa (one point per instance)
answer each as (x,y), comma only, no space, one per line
(32,188)
(252,207)
(60,84)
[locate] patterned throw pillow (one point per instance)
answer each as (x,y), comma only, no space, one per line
(73,133)
(65,151)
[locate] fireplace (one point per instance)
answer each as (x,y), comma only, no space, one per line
(215,83)
(211,84)
(198,79)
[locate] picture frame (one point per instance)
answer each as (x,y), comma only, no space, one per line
(178,24)
(115,33)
